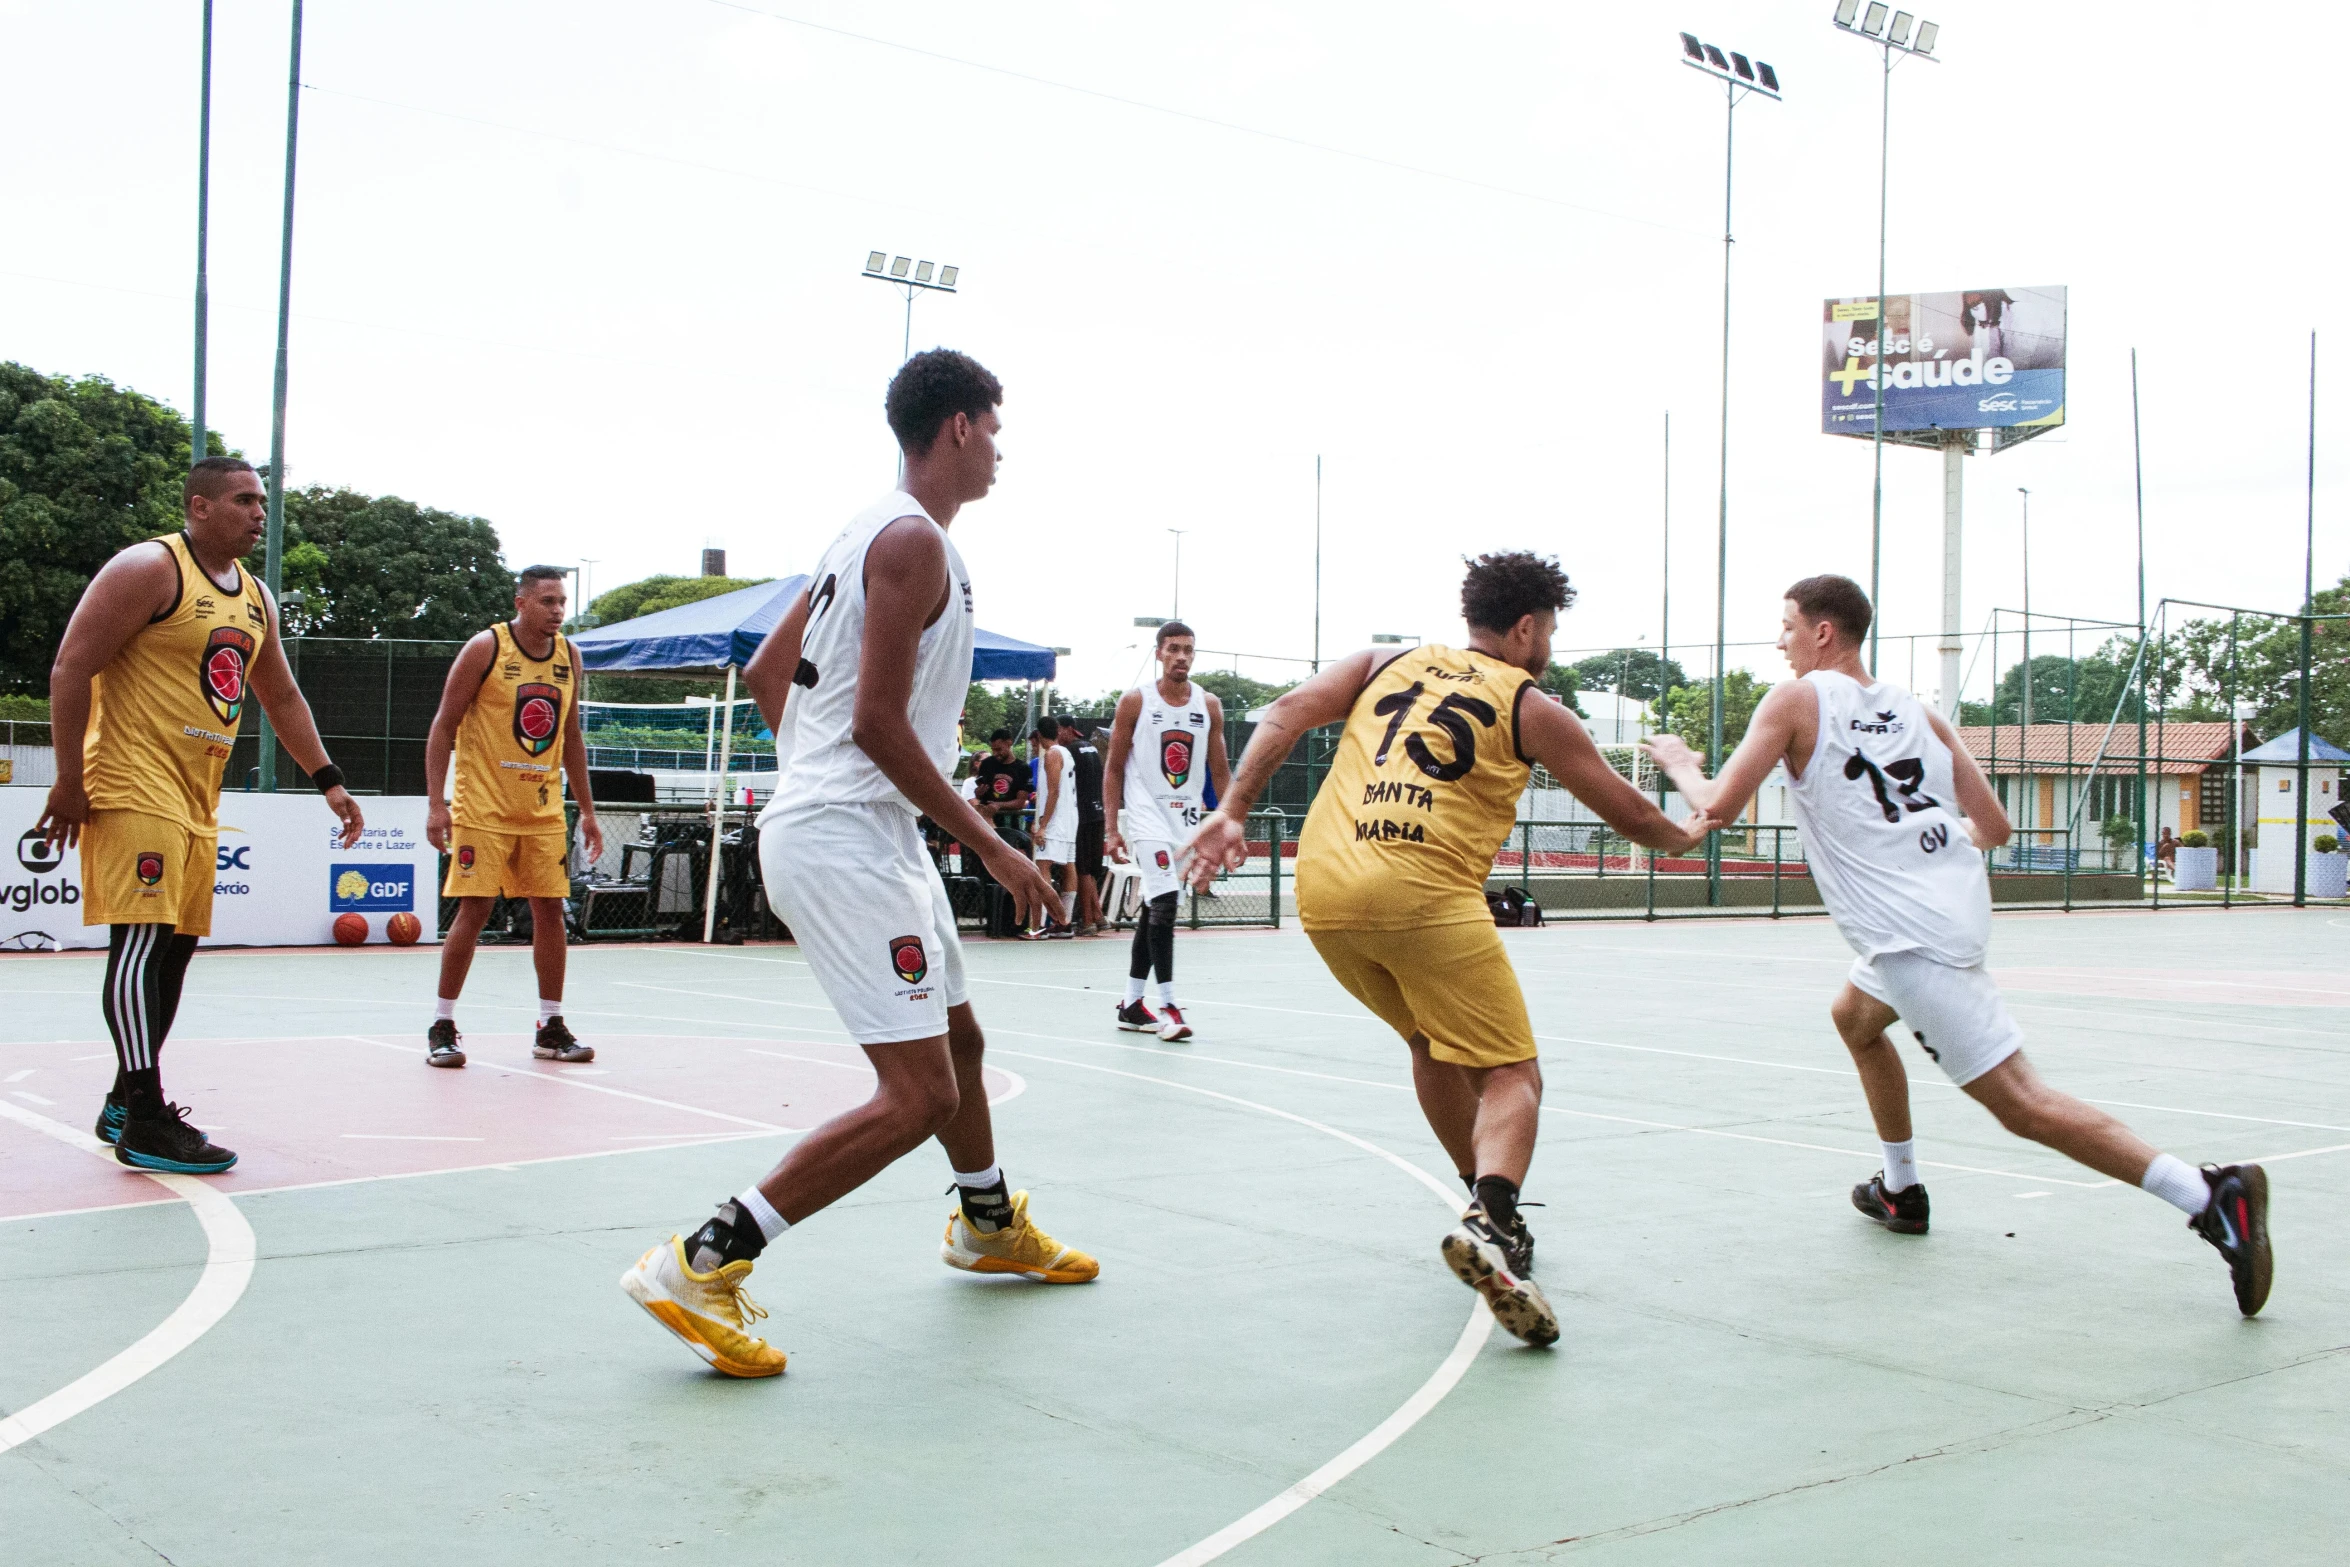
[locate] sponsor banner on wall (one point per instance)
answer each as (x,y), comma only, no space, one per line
(280,876)
(1970,359)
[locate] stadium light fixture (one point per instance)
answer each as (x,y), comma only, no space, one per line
(1394,638)
(1846,10)
(1150,622)
(1889,42)
(904,272)
(1739,81)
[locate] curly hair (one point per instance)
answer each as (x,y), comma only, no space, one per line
(1836,599)
(931,388)
(1507,585)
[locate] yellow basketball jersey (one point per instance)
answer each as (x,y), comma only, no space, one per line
(1424,789)
(163,713)
(510,742)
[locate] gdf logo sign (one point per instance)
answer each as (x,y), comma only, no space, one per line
(37,854)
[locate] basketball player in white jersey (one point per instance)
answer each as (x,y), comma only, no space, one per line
(1151,799)
(1056,817)
(1894,814)
(875,660)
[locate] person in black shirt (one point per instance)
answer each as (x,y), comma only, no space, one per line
(1089,825)
(1003,790)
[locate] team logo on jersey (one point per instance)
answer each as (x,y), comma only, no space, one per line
(465,856)
(1175,747)
(221,671)
(1882,724)
(253,613)
(1161,857)
(908,958)
(538,713)
(150,867)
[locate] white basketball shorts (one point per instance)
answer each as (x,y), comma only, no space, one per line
(1060,848)
(1957,1014)
(870,915)
(1160,865)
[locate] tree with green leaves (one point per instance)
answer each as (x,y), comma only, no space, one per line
(1689,710)
(87,468)
(1636,672)
(1559,681)
(651,595)
(380,566)
(1239,694)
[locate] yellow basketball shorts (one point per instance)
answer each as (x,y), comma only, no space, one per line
(146,870)
(486,864)
(1453,983)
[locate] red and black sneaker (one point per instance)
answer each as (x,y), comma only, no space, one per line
(1903,1212)
(1136,1018)
(2236,1222)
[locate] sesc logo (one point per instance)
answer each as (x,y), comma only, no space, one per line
(1997,403)
(370,889)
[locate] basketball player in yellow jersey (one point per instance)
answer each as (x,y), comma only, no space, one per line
(1391,878)
(510,713)
(144,702)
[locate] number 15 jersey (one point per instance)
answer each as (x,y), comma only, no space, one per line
(1881,829)
(1424,789)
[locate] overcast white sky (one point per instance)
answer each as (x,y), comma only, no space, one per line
(590,269)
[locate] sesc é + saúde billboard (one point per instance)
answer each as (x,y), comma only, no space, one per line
(1971,359)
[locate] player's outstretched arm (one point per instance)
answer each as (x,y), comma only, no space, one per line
(457,693)
(289,710)
(1114,773)
(906,589)
(1986,818)
(129,591)
(770,673)
(1548,733)
(1778,730)
(1221,843)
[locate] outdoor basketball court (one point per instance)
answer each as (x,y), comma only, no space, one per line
(392,1334)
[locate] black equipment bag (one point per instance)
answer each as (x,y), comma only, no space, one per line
(1512,907)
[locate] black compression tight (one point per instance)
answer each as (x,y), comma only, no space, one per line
(1154,940)
(145,967)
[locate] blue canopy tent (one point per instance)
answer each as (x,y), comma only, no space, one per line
(720,634)
(705,638)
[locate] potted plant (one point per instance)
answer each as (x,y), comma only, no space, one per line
(2196,866)
(2119,833)
(2329,867)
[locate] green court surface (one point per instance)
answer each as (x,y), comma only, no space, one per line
(393,1334)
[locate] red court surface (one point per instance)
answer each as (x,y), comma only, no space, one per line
(308,1111)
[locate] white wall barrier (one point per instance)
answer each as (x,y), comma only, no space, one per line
(280,879)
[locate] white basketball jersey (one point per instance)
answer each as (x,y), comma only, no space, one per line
(825,767)
(1881,828)
(1063,821)
(1166,767)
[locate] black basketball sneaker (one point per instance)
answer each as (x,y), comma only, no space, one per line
(1499,1265)
(1136,1018)
(2236,1222)
(162,1139)
(555,1043)
(1903,1212)
(440,1044)
(111,1115)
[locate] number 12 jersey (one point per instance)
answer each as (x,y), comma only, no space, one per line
(1424,789)
(1881,829)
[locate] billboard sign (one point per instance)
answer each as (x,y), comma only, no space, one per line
(1972,359)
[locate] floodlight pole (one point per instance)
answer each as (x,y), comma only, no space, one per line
(1884,346)
(1179,533)
(1317,563)
(2308,611)
(201,444)
(2027,712)
(1665,611)
(273,548)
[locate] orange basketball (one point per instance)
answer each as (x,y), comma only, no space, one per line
(350,929)
(403,928)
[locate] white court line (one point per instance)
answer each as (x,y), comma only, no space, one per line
(20,1074)
(572,1082)
(228,1267)
(33,1098)
(1382,1436)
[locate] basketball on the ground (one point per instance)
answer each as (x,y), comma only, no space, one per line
(350,929)
(403,928)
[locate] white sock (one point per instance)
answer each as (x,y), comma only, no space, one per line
(1166,992)
(444,1009)
(2178,1183)
(1133,991)
(754,1202)
(550,1009)
(1901,1165)
(981,1180)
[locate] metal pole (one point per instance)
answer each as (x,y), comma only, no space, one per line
(2031,800)
(273,548)
(1954,450)
(2146,828)
(1665,612)
(2308,612)
(1884,347)
(906,346)
(1713,842)
(1178,532)
(201,444)
(718,816)
(1317,563)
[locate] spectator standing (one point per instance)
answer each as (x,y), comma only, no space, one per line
(1056,816)
(1088,761)
(1002,789)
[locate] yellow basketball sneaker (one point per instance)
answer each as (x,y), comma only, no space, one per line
(707,1310)
(1019,1247)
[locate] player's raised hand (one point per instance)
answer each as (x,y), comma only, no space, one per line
(1218,844)
(1669,751)
(339,801)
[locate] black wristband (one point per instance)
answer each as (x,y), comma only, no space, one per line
(328,777)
